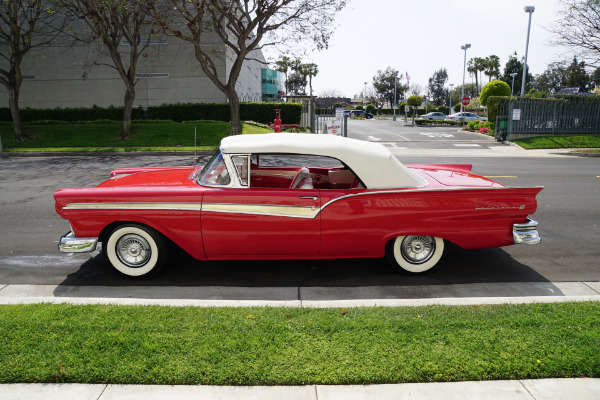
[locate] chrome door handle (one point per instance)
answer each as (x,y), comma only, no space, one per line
(315,198)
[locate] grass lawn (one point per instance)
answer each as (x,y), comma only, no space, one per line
(558,142)
(105,136)
(291,346)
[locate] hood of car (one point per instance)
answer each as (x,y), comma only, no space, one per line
(173,176)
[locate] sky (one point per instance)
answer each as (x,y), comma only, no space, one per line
(420,37)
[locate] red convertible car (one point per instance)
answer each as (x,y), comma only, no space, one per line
(295,196)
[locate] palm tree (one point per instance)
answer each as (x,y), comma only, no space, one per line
(474,66)
(492,67)
(283,65)
(310,70)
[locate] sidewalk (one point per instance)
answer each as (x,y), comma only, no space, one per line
(543,389)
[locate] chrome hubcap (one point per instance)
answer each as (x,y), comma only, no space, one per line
(133,250)
(417,249)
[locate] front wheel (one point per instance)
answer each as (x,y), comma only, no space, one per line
(135,250)
(415,253)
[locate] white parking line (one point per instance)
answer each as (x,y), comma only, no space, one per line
(467,145)
(436,134)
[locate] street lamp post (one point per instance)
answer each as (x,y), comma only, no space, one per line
(450,108)
(512,86)
(465,47)
(530,10)
(365,98)
(395,88)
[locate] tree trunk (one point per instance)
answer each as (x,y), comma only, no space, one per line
(13,102)
(234,105)
(127,110)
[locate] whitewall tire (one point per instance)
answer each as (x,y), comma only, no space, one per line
(135,250)
(415,253)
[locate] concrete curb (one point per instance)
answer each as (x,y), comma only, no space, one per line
(305,297)
(543,389)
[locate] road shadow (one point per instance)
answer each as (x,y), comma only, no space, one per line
(461,273)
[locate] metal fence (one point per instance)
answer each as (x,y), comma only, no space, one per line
(321,124)
(573,115)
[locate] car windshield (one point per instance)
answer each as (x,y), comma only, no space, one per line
(214,172)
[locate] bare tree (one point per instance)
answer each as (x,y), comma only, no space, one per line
(24,26)
(578,26)
(244,26)
(124,28)
(334,93)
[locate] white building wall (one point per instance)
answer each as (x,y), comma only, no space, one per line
(57,76)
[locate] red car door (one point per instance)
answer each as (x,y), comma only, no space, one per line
(260,222)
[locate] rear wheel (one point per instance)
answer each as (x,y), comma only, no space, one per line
(415,253)
(135,250)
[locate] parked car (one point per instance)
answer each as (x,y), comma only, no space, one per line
(294,196)
(466,116)
(437,116)
(360,113)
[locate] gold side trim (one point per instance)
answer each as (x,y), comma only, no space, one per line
(263,209)
(135,206)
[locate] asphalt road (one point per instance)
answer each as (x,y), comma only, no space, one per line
(568,213)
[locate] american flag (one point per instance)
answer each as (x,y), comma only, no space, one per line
(407,77)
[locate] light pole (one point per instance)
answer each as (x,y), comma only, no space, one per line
(512,86)
(530,10)
(450,108)
(465,47)
(395,88)
(365,98)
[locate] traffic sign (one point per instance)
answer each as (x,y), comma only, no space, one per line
(465,101)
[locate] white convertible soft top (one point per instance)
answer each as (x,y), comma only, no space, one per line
(374,164)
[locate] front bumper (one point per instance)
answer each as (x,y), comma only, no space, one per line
(526,233)
(71,244)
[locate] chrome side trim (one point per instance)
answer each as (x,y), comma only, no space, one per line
(396,191)
(263,209)
(526,233)
(134,206)
(71,244)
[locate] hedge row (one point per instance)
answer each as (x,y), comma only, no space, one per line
(492,107)
(436,122)
(260,112)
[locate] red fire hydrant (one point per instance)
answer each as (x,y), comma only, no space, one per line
(277,122)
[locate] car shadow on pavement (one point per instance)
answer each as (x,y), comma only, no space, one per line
(461,273)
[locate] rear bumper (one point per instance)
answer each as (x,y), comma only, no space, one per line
(526,233)
(71,244)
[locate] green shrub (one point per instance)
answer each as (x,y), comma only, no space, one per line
(492,107)
(443,109)
(434,122)
(261,112)
(414,101)
(476,126)
(494,88)
(371,109)
(359,107)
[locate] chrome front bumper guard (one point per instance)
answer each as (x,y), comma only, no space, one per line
(71,244)
(526,233)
